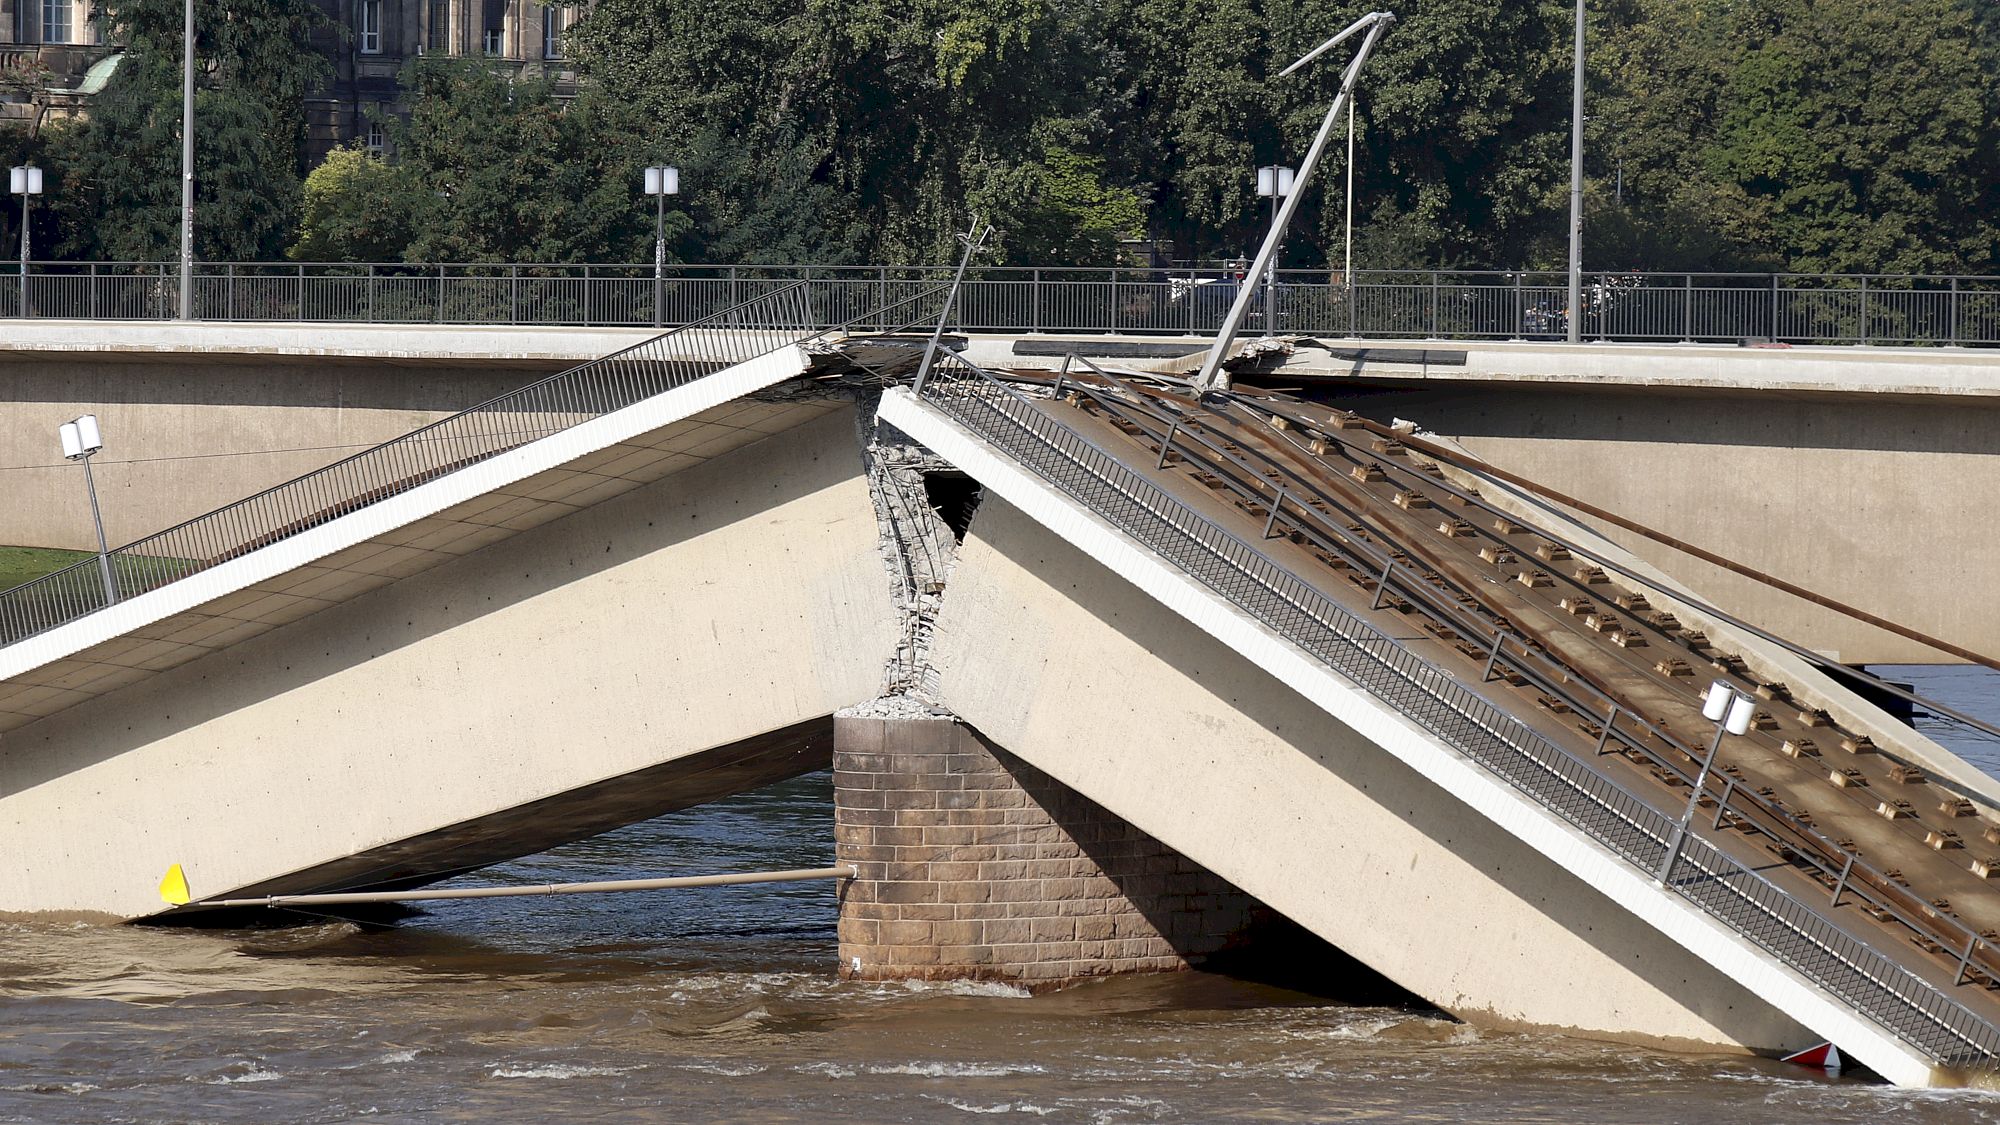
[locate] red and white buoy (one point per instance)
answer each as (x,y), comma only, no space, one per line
(1825,1057)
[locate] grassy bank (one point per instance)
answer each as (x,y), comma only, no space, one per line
(25,564)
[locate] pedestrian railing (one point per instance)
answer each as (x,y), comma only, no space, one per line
(1412,304)
(759,326)
(1903,1003)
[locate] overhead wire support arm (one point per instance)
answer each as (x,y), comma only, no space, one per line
(1212,377)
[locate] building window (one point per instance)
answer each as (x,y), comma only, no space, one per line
(552,29)
(55,21)
(496,41)
(371,27)
(375,145)
(441,26)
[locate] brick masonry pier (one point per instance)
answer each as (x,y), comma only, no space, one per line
(974,864)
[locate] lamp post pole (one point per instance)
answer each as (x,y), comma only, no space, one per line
(1576,188)
(1274,181)
(81,439)
(26,182)
(1731,711)
(187,170)
(1347,270)
(662,180)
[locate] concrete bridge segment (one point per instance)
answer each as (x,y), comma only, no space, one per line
(269,736)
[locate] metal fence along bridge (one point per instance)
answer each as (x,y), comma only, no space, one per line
(1664,307)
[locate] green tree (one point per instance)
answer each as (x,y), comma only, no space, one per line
(121,170)
(1830,135)
(488,167)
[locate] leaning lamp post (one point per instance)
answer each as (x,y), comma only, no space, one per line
(662,180)
(1731,711)
(81,439)
(1212,377)
(26,182)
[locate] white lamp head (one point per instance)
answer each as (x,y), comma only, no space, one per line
(663,179)
(1740,714)
(81,437)
(1717,704)
(25,180)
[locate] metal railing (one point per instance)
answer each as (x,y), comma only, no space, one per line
(1413,304)
(1899,1000)
(754,328)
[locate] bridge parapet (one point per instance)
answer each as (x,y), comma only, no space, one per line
(1433,304)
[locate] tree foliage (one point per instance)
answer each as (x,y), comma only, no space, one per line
(120,173)
(1851,135)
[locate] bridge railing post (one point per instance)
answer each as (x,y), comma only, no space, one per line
(1610,719)
(1864,308)
(1687,311)
(1436,281)
(1951,313)
(371,292)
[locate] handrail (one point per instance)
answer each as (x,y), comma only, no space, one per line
(1940,309)
(735,335)
(1886,992)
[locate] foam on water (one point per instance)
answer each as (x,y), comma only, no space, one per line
(993,988)
(561,1070)
(959,1070)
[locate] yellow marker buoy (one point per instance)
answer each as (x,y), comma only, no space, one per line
(174,887)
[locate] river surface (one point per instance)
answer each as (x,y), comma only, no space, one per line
(721,1005)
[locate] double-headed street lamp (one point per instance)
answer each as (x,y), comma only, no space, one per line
(80,439)
(662,180)
(26,182)
(1731,711)
(1274,182)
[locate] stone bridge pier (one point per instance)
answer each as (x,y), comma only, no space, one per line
(975,865)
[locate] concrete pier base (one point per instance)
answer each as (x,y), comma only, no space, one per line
(975,865)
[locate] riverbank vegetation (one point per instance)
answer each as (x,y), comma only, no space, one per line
(1800,135)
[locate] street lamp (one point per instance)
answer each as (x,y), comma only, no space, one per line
(26,182)
(1576,186)
(187,167)
(80,439)
(662,180)
(1274,182)
(1731,711)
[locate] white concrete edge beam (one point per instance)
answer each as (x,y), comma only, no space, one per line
(427,499)
(1685,923)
